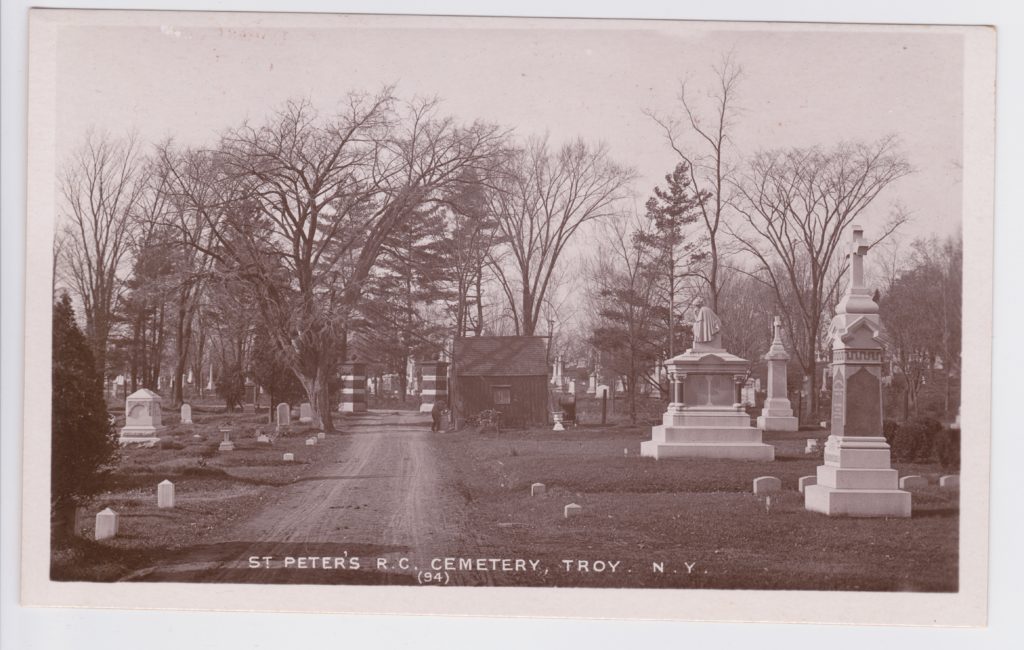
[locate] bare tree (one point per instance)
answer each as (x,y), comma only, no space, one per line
(795,206)
(707,163)
(100,188)
(305,204)
(543,197)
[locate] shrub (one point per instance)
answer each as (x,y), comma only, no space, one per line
(947,448)
(915,439)
(889,429)
(170,443)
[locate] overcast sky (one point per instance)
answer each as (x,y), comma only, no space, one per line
(801,86)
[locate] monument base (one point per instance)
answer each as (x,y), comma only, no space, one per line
(351,407)
(838,502)
(709,432)
(226,446)
(727,450)
(426,408)
(138,436)
(778,423)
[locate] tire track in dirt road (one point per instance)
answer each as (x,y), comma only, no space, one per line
(377,492)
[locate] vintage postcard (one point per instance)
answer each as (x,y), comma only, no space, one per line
(508,316)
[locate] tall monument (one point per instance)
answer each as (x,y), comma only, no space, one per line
(706,418)
(857,478)
(777,414)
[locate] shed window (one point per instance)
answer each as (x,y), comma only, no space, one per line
(502,394)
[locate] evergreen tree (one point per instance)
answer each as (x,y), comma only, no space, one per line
(83,443)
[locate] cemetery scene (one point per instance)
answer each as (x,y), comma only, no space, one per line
(705,336)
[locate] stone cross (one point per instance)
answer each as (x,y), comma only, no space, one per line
(777,329)
(858,249)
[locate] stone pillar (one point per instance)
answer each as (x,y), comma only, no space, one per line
(857,478)
(435,384)
(677,381)
(777,414)
(353,388)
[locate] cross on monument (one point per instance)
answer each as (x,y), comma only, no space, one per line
(858,249)
(777,329)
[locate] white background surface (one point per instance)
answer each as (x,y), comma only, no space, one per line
(38,628)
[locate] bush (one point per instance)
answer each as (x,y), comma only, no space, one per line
(889,429)
(915,440)
(169,443)
(947,448)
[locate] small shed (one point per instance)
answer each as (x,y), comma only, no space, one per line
(504,373)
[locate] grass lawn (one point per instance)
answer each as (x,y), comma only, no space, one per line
(211,489)
(698,519)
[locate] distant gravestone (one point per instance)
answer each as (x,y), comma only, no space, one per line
(322,435)
(248,408)
(310,442)
(573,510)
(284,415)
(572,386)
(226,444)
(305,413)
(804,481)
(288,458)
(558,417)
(602,391)
(766,485)
(913,481)
(950,481)
(186,414)
(263,438)
(537,489)
(812,446)
(106,524)
(165,494)
(142,418)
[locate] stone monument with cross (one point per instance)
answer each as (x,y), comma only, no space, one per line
(857,478)
(706,418)
(777,414)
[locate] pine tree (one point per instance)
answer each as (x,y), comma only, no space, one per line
(83,443)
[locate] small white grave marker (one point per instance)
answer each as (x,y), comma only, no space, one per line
(913,481)
(949,481)
(305,413)
(573,510)
(310,442)
(186,414)
(804,481)
(558,421)
(284,415)
(226,444)
(106,524)
(165,494)
(263,438)
(289,457)
(322,435)
(766,485)
(537,490)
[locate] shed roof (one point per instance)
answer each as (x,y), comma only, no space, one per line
(501,356)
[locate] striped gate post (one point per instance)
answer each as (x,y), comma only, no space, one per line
(353,388)
(435,384)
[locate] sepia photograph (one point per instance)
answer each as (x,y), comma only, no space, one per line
(619,307)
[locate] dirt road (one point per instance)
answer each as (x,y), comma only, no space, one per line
(373,509)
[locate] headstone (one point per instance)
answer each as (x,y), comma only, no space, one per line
(353,388)
(165,494)
(558,417)
(321,435)
(857,478)
(766,485)
(305,413)
(812,446)
(804,481)
(592,383)
(705,417)
(288,458)
(106,524)
(537,489)
(619,387)
(950,481)
(572,386)
(602,391)
(777,413)
(572,510)
(908,482)
(284,415)
(226,444)
(263,438)
(142,418)
(435,384)
(310,442)
(186,414)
